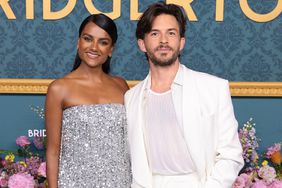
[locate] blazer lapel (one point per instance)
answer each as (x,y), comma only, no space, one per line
(140,167)
(192,122)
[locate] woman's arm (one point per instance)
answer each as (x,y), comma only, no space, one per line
(53,123)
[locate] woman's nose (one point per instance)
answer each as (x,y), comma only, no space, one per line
(94,44)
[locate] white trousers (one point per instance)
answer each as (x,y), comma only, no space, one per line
(176,181)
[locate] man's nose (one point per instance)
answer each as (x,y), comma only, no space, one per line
(163,39)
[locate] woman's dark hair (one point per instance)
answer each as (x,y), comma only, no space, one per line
(106,24)
(144,24)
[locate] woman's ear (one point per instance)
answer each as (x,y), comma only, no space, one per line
(111,51)
(77,43)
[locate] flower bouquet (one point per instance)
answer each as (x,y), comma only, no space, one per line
(263,171)
(26,167)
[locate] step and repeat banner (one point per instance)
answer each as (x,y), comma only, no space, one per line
(239,40)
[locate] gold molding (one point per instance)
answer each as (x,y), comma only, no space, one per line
(256,89)
(241,89)
(24,86)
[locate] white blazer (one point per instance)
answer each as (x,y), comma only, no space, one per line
(210,130)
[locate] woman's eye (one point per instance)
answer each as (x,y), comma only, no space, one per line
(104,43)
(87,39)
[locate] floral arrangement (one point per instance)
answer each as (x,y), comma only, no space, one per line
(29,170)
(263,171)
(25,167)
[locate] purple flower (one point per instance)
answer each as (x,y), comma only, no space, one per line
(259,184)
(249,141)
(254,175)
(21,180)
(33,164)
(18,167)
(23,141)
(42,169)
(38,141)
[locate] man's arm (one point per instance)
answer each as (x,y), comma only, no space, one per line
(229,160)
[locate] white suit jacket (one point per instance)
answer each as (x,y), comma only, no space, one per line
(210,130)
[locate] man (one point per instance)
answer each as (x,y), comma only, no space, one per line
(181,125)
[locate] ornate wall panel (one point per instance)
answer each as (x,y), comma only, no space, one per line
(238,48)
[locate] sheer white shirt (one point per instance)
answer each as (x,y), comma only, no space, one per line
(166,147)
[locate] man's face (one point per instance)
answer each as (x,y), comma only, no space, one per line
(163,43)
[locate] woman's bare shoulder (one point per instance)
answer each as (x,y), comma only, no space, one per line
(121,82)
(61,85)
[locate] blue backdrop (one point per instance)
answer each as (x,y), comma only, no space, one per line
(237,49)
(17,118)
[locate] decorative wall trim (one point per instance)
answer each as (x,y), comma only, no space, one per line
(256,89)
(24,86)
(242,89)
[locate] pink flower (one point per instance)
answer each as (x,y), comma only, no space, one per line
(3,162)
(275,184)
(267,173)
(38,141)
(21,180)
(3,182)
(239,182)
(273,149)
(248,179)
(23,141)
(243,181)
(259,184)
(42,169)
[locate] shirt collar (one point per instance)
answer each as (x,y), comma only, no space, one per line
(178,80)
(179,76)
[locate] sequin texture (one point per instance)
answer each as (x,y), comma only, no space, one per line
(94,150)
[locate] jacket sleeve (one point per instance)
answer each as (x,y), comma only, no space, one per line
(228,160)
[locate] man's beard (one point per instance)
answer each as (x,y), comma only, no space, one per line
(162,62)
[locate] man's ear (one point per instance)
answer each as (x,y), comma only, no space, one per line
(141,45)
(182,43)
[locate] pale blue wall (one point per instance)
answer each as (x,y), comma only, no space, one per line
(267,114)
(16,117)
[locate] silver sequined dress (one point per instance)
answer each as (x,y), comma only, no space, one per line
(94,151)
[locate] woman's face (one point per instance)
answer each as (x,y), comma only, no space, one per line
(94,45)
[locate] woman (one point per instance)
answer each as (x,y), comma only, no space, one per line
(85,116)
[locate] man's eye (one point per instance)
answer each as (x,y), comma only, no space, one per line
(154,34)
(172,33)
